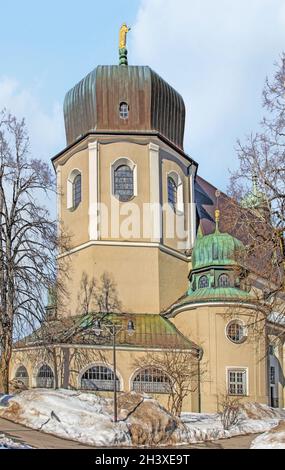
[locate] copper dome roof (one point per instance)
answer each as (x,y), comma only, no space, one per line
(93,104)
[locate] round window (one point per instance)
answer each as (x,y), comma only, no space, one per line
(236,331)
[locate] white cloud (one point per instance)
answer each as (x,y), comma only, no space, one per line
(45,127)
(216,53)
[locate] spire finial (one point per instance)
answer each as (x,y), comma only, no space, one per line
(123,53)
(217,211)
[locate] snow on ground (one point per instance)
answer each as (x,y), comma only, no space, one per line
(274,439)
(208,427)
(69,414)
(6,443)
(87,418)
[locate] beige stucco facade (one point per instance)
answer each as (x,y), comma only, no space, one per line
(145,246)
(124,236)
(206,325)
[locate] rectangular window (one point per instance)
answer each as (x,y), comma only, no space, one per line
(237,382)
(272,375)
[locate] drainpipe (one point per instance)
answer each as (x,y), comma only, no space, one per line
(199,357)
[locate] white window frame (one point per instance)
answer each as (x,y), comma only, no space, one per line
(102,364)
(237,369)
(115,165)
(179,209)
(245,332)
(69,188)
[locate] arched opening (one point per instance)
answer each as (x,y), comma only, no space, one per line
(99,377)
(74,189)
(123,183)
(151,380)
(45,377)
(172,192)
(22,374)
(175,192)
(223,280)
(203,282)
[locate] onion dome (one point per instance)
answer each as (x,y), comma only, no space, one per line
(152,104)
(218,248)
(255,199)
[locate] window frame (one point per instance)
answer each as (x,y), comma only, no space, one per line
(124,114)
(114,166)
(150,386)
(244,330)
(179,206)
(45,381)
(103,383)
(226,276)
(199,280)
(236,370)
(76,203)
(70,189)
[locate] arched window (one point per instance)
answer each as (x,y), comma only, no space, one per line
(124,183)
(172,192)
(22,374)
(76,191)
(151,380)
(124,110)
(175,192)
(236,331)
(45,377)
(224,280)
(99,378)
(203,282)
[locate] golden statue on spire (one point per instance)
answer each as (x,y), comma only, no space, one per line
(123,36)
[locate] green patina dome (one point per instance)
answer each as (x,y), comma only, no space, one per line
(215,249)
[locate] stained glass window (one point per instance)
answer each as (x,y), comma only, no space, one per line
(124,183)
(224,280)
(203,282)
(76,190)
(172,192)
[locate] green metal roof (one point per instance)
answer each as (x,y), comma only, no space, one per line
(219,293)
(151,331)
(216,249)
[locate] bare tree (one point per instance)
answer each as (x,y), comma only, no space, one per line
(181,367)
(257,215)
(28,238)
(229,410)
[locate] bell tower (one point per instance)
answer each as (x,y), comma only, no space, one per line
(122,173)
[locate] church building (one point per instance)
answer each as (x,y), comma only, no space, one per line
(146,238)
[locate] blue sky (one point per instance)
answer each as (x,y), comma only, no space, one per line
(216,53)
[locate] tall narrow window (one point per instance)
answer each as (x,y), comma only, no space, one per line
(123,183)
(124,110)
(172,192)
(76,191)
